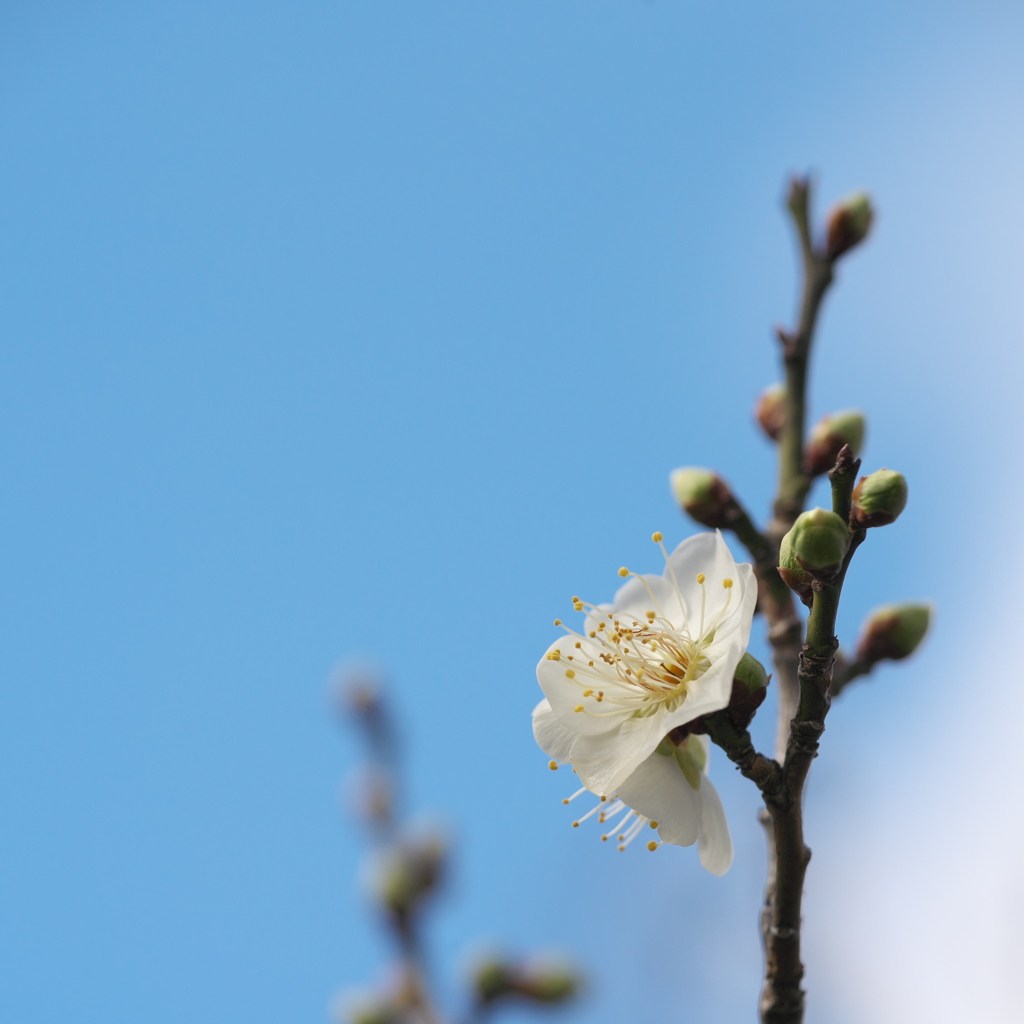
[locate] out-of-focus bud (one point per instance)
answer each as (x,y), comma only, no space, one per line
(703,495)
(893,631)
(749,687)
(793,574)
(408,872)
(492,978)
(548,982)
(368,1008)
(818,542)
(770,411)
(848,224)
(829,435)
(878,499)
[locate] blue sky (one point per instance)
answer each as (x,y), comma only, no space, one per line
(373,330)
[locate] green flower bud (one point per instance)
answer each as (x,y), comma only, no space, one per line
(749,688)
(848,224)
(493,978)
(818,542)
(703,495)
(548,982)
(829,435)
(878,499)
(793,574)
(751,673)
(770,411)
(408,872)
(893,631)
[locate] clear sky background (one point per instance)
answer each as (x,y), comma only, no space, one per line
(373,329)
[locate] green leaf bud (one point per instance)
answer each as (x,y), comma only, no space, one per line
(818,542)
(893,632)
(703,495)
(878,499)
(770,411)
(848,224)
(829,435)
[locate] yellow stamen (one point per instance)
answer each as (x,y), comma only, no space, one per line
(700,577)
(652,846)
(570,674)
(727,583)
(553,765)
(579,707)
(623,572)
(657,537)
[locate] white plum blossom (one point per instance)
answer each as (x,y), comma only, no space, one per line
(668,791)
(660,655)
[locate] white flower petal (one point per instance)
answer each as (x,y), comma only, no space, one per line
(715,844)
(658,790)
(658,595)
(565,694)
(604,762)
(552,737)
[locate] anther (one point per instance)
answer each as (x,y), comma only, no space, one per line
(575,824)
(657,537)
(700,577)
(579,707)
(653,824)
(587,693)
(558,622)
(652,846)
(570,673)
(578,606)
(727,583)
(553,765)
(623,572)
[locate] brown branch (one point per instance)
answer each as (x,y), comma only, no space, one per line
(802,670)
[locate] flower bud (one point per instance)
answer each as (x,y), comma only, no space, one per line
(492,978)
(878,499)
(408,872)
(703,495)
(818,542)
(893,631)
(548,982)
(749,687)
(793,574)
(829,435)
(770,411)
(848,224)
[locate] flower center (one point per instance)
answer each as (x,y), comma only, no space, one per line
(643,664)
